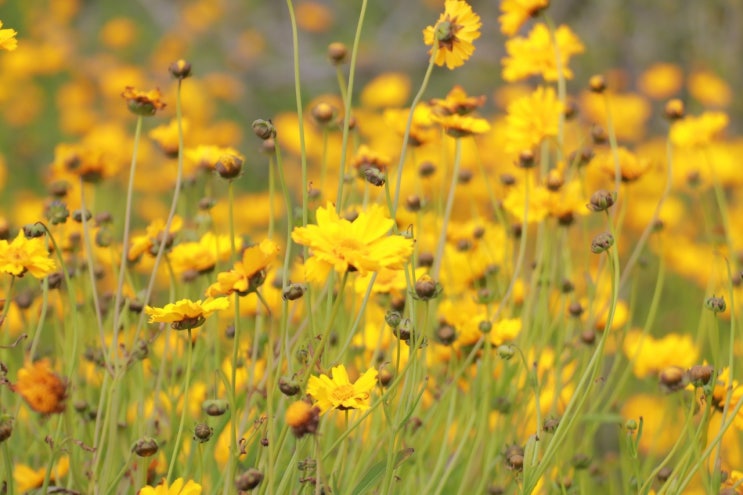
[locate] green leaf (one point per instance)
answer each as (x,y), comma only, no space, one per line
(377,470)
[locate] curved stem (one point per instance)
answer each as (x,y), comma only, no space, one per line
(179,435)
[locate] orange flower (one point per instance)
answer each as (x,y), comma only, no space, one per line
(42,389)
(143,103)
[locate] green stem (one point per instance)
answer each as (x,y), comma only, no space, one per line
(438,258)
(179,435)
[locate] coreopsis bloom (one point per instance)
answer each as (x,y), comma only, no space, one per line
(661,81)
(693,131)
(27,478)
(337,391)
(366,159)
(538,202)
(454,32)
(457,102)
(186,314)
(629,112)
(207,157)
(201,256)
(461,125)
(249,273)
(650,355)
(534,55)
(26,255)
(7,39)
(303,418)
(514,13)
(422,131)
(709,89)
(179,487)
(166,136)
(84,161)
(153,237)
(42,389)
(531,119)
(363,245)
(143,103)
(631,166)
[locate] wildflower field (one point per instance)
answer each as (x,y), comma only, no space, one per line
(335,247)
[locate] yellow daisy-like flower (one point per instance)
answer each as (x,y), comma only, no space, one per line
(631,166)
(27,478)
(186,313)
(457,102)
(201,257)
(153,237)
(179,487)
(516,12)
(25,255)
(362,245)
(247,275)
(7,39)
(698,131)
(166,136)
(534,55)
(454,32)
(531,119)
(461,125)
(339,393)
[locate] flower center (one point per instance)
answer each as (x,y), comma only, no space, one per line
(343,393)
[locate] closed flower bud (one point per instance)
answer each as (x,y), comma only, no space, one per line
(229,166)
(264,129)
(34,230)
(701,375)
(446,334)
(601,200)
(145,447)
(597,83)
(6,427)
(322,113)
(601,243)
(413,203)
(337,53)
(550,425)
(180,69)
(289,386)
(77,215)
(215,407)
(527,159)
(631,425)
(202,432)
(293,292)
(385,376)
(485,326)
(393,318)
(426,169)
(715,304)
(57,212)
(403,331)
(673,378)
(581,461)
(674,109)
(426,288)
(249,479)
(506,351)
(373,176)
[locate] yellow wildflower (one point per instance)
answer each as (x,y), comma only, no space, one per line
(514,13)
(535,54)
(25,255)
(177,488)
(339,393)
(27,478)
(186,314)
(454,32)
(249,273)
(42,389)
(7,39)
(531,119)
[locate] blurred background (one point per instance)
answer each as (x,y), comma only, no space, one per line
(76,56)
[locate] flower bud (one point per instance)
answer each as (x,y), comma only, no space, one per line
(145,447)
(674,109)
(57,212)
(673,378)
(293,292)
(601,200)
(426,288)
(248,480)
(701,375)
(597,83)
(601,243)
(180,69)
(337,53)
(289,386)
(215,407)
(6,427)
(715,304)
(202,432)
(229,166)
(264,129)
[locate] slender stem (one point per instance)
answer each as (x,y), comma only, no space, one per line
(347,107)
(438,258)
(179,435)
(125,241)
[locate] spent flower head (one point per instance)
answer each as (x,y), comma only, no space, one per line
(143,103)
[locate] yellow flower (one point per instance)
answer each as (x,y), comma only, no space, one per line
(461,125)
(200,257)
(516,12)
(247,275)
(150,241)
(387,90)
(42,389)
(362,245)
(166,136)
(661,81)
(631,166)
(7,39)
(629,112)
(27,479)
(186,313)
(709,89)
(25,255)
(177,488)
(339,393)
(535,54)
(652,355)
(303,418)
(698,131)
(143,103)
(531,119)
(457,102)
(454,32)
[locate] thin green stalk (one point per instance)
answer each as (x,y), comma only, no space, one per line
(125,241)
(179,435)
(347,106)
(408,126)
(438,257)
(8,462)
(300,111)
